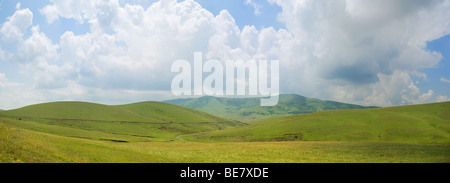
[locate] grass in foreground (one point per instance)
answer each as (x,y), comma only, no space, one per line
(18,145)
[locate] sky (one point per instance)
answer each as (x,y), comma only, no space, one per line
(374,53)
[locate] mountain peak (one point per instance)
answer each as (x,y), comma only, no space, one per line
(249,109)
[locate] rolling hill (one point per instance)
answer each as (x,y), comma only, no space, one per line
(87,132)
(169,112)
(77,111)
(426,123)
(249,109)
(145,121)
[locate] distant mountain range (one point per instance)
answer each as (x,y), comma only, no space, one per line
(249,109)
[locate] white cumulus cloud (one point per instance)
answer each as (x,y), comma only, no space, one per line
(14,28)
(352,47)
(346,50)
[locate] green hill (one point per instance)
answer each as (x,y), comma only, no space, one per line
(172,113)
(86,132)
(78,110)
(427,123)
(145,121)
(249,109)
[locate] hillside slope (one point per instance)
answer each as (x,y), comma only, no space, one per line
(426,123)
(171,113)
(146,121)
(77,110)
(249,109)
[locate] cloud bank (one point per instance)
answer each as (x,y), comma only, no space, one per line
(362,52)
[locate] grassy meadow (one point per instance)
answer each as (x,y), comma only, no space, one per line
(159,132)
(427,123)
(18,145)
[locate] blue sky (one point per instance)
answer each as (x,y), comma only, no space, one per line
(244,14)
(442,70)
(117,52)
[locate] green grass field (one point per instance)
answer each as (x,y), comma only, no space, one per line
(159,132)
(18,145)
(427,123)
